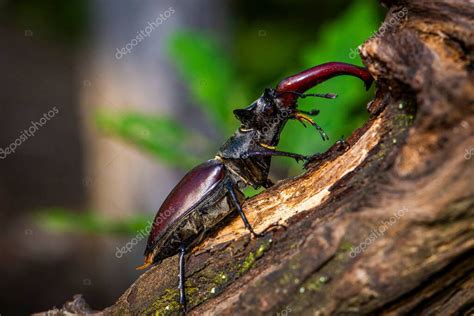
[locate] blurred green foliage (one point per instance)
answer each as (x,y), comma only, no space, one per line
(217,88)
(209,74)
(336,41)
(62,220)
(165,138)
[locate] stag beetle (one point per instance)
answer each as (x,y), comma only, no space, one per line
(211,191)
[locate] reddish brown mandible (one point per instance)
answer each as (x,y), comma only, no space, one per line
(313,76)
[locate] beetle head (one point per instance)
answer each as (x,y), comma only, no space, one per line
(269,113)
(263,110)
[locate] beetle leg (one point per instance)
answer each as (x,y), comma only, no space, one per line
(268,183)
(244,218)
(236,202)
(311,159)
(303,118)
(311,112)
(272,152)
(342,144)
(182,278)
(148,262)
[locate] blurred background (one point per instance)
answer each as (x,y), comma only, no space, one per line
(106,104)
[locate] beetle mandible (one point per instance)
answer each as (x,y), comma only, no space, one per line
(212,191)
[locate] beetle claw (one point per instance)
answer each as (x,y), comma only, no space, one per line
(273,225)
(265,231)
(257,235)
(148,262)
(310,159)
(342,145)
(299,157)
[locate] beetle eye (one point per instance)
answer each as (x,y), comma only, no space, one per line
(268,108)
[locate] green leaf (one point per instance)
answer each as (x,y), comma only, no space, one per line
(250,191)
(63,220)
(162,137)
(209,74)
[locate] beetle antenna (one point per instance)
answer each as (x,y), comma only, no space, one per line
(305,95)
(311,113)
(324,95)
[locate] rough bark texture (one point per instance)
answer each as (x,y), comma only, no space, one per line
(384,227)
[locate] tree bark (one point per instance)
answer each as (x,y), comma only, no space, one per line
(382,227)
